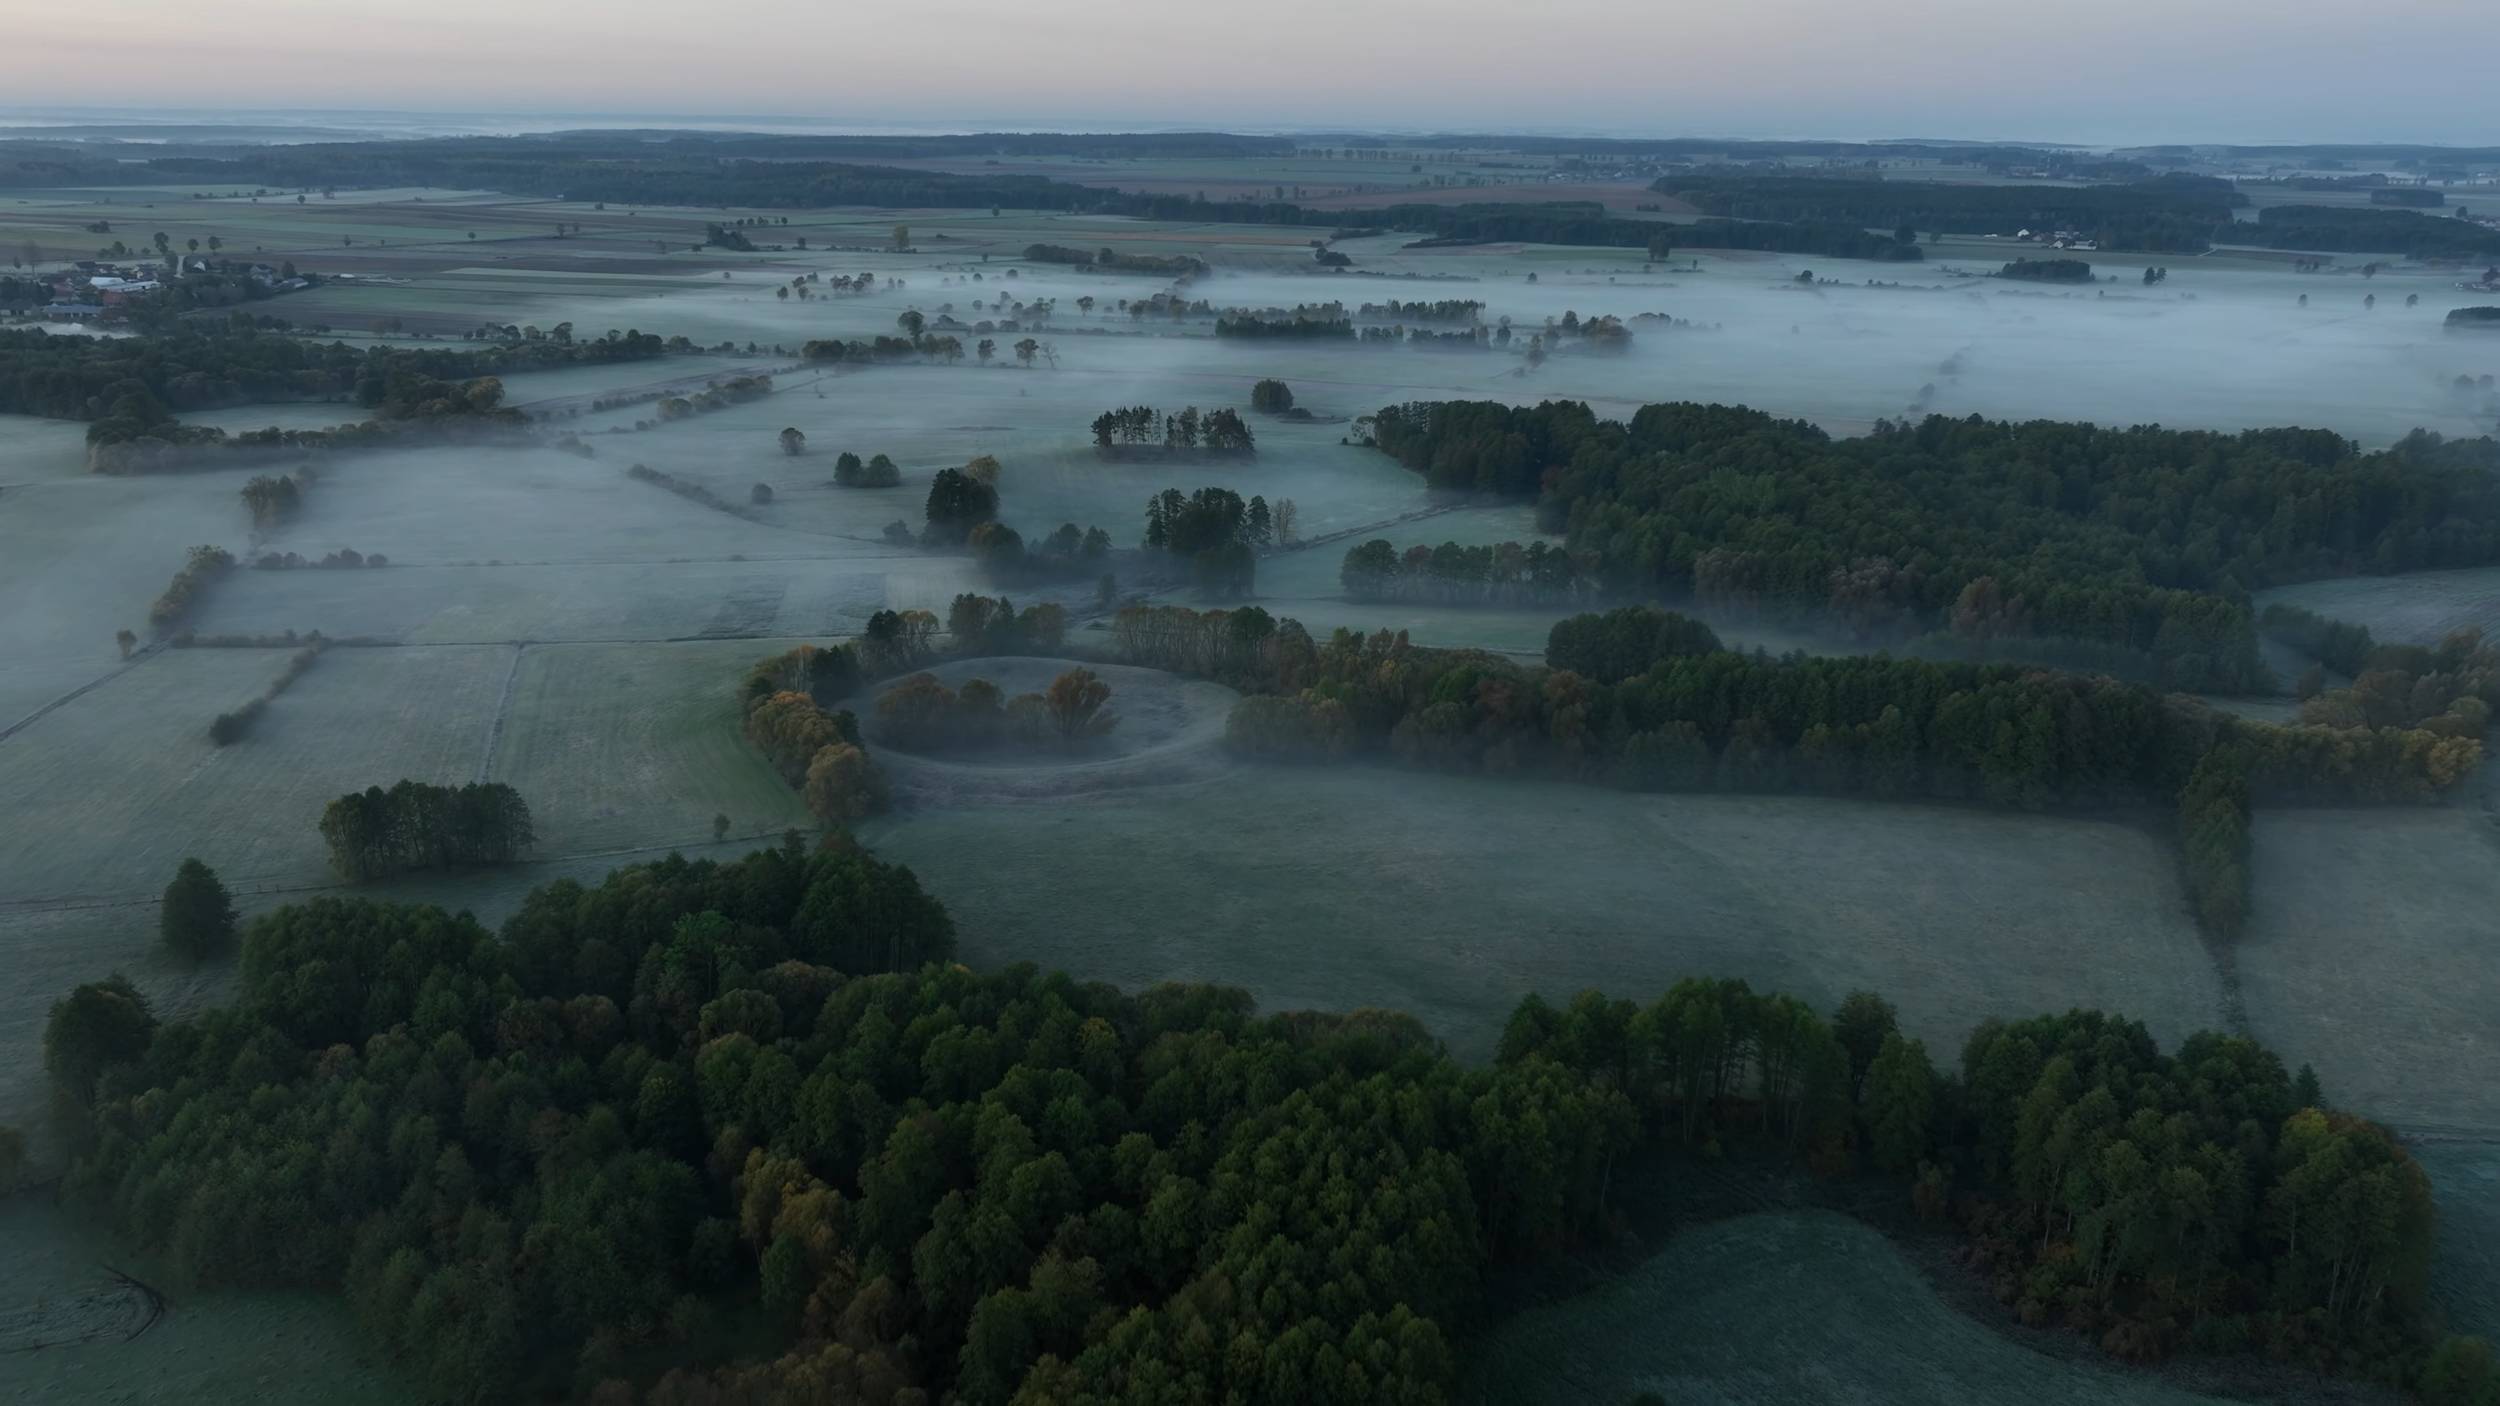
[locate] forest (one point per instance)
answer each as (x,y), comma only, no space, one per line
(2358,230)
(566,1159)
(2174,214)
(1504,573)
(2131,548)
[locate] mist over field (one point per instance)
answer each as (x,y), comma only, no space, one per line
(786,817)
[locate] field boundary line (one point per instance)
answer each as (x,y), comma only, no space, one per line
(137,658)
(503,707)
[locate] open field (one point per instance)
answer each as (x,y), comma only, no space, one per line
(636,745)
(1781,1309)
(279,1349)
(1452,898)
(2418,608)
(2465,1273)
(83,556)
(2368,953)
(138,785)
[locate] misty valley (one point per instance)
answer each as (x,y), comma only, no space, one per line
(717,766)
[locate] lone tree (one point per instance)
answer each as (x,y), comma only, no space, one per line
(1271,397)
(127,640)
(197,918)
(1075,705)
(793,443)
(760,494)
(720,828)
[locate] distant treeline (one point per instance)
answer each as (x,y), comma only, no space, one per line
(2352,229)
(2137,544)
(209,366)
(2047,270)
(687,173)
(374,833)
(1171,265)
(2168,214)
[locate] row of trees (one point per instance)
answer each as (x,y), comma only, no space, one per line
(922,714)
(1502,574)
(551,1161)
(2130,549)
(1220,431)
(817,750)
(373,834)
(203,566)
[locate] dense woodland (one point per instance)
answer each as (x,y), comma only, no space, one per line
(2168,214)
(567,1161)
(2131,549)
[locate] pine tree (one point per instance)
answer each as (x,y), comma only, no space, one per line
(197,917)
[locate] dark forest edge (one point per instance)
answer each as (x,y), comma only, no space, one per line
(562,1160)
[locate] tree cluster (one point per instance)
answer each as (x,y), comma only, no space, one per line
(1220,431)
(816,750)
(878,472)
(374,834)
(204,565)
(921,714)
(2048,271)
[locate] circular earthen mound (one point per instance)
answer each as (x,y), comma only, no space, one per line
(1170,729)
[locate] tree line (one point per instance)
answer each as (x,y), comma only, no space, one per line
(2129,549)
(2361,230)
(1500,574)
(374,834)
(662,173)
(554,1162)
(1218,431)
(208,365)
(2165,214)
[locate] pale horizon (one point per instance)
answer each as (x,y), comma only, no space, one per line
(2131,72)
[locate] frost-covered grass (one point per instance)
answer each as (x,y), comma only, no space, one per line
(2369,954)
(1454,897)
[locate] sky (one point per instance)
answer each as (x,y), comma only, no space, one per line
(2114,72)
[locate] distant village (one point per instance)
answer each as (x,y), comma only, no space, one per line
(97,290)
